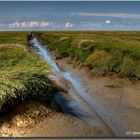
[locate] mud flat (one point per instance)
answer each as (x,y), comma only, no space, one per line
(116,100)
(33,119)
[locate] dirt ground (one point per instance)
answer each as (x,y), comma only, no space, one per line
(32,119)
(116,100)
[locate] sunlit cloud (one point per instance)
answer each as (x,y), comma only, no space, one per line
(68,25)
(29,24)
(113,15)
(89,24)
(108,21)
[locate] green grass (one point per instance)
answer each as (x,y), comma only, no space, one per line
(23,75)
(105,52)
(14,37)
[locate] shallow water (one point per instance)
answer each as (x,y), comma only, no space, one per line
(74,84)
(82,104)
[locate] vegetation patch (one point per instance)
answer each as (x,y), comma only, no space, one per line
(23,75)
(101,62)
(8,37)
(104,52)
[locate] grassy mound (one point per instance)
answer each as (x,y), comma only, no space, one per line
(22,76)
(105,52)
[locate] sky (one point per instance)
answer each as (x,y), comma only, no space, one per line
(70,15)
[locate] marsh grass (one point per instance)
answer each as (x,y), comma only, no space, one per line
(9,37)
(23,75)
(105,52)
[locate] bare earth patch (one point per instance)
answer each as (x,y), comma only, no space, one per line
(23,118)
(33,119)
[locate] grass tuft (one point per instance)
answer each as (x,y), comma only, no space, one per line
(22,75)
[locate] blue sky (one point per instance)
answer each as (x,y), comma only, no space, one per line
(72,15)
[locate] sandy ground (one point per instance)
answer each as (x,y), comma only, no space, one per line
(32,119)
(60,125)
(116,100)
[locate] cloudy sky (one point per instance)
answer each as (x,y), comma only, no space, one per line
(70,15)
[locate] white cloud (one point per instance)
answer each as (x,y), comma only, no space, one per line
(68,25)
(29,24)
(89,24)
(113,15)
(108,21)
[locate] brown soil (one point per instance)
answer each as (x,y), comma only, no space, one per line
(22,118)
(32,119)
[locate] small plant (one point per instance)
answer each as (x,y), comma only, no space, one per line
(100,61)
(128,66)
